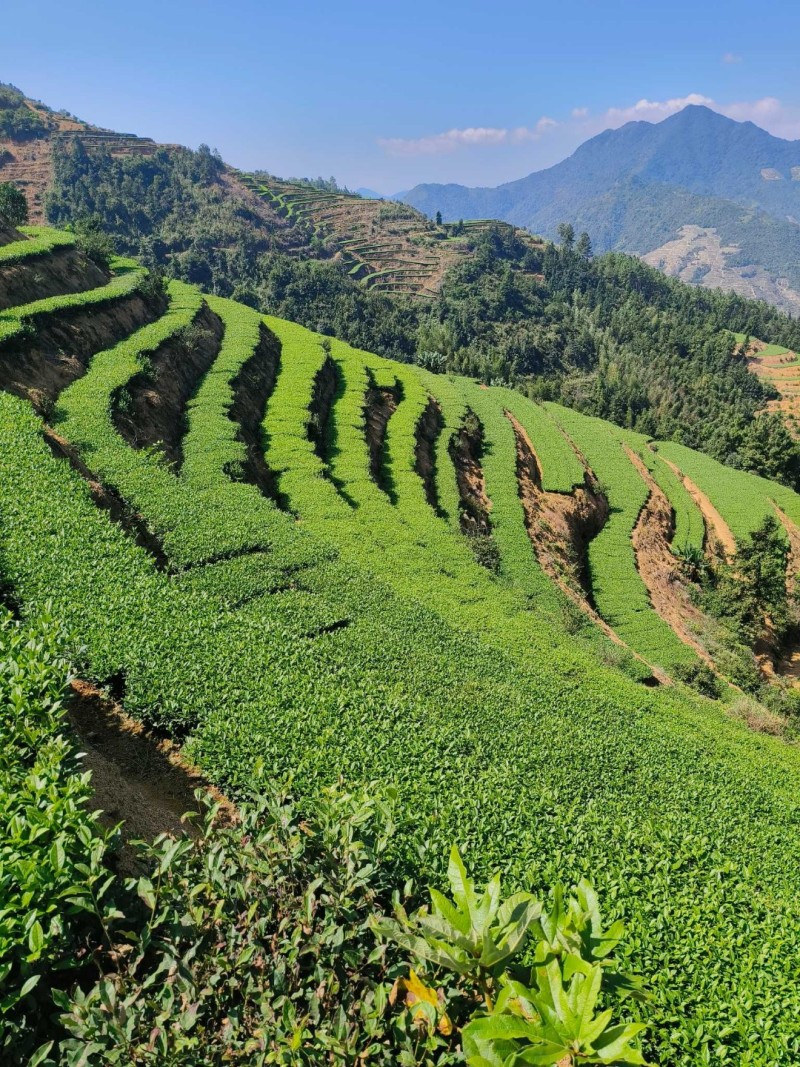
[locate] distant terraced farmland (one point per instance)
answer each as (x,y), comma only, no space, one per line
(780,367)
(388,246)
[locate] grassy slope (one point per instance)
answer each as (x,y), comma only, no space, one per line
(524,746)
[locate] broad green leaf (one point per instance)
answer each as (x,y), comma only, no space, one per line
(490,1041)
(614,1046)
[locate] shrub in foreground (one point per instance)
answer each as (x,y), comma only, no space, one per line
(54,882)
(266,940)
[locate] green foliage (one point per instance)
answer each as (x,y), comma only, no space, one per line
(331,632)
(127,276)
(693,559)
(750,593)
(543,1013)
(474,936)
(584,245)
(92,240)
(254,942)
(40,241)
(54,882)
(13,205)
(700,677)
(607,334)
(619,592)
(767,448)
(566,233)
(18,122)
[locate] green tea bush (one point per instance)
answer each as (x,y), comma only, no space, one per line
(254,938)
(254,944)
(127,276)
(527,981)
(93,241)
(54,881)
(42,242)
(619,593)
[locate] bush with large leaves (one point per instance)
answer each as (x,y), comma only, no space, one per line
(536,983)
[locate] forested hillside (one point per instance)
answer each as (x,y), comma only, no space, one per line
(606,335)
(635,188)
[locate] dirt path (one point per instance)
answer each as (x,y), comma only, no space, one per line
(137,778)
(716,527)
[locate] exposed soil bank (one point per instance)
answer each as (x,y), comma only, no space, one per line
(151,409)
(560,525)
(64,270)
(137,777)
(252,387)
(466,450)
(652,536)
(39,367)
(8,234)
(379,406)
(787,663)
(425,436)
(323,391)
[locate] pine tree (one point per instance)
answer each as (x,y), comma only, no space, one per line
(566,231)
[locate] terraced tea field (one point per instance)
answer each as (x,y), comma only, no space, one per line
(388,246)
(781,368)
(287,553)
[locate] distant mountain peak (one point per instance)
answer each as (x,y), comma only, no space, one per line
(635,187)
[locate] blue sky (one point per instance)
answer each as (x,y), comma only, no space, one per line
(388,95)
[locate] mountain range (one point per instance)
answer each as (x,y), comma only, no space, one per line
(712,200)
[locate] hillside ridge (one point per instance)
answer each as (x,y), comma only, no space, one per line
(634,187)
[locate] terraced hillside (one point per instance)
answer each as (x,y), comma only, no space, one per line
(779,367)
(388,246)
(26,158)
(285,552)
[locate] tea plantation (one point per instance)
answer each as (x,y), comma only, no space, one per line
(285,587)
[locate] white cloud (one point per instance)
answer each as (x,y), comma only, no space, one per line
(438,143)
(731,57)
(762,111)
(649,110)
(767,112)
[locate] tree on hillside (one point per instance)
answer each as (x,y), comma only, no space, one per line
(13,204)
(438,218)
(566,231)
(584,245)
(767,448)
(93,241)
(18,121)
